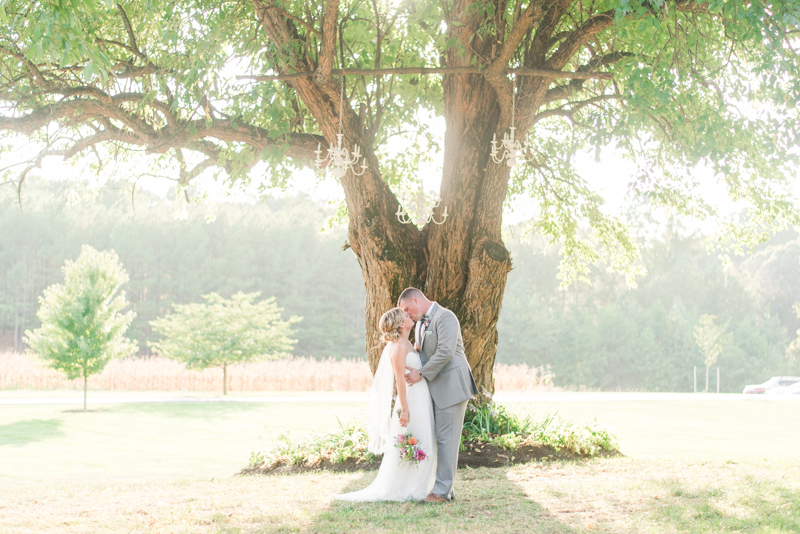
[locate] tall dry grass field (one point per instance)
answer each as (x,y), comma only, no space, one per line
(21,371)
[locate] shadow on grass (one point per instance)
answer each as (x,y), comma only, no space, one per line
(768,508)
(486,502)
(23,432)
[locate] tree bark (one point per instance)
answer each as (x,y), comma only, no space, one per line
(224,378)
(85,381)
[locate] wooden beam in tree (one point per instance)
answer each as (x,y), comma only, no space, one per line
(522,71)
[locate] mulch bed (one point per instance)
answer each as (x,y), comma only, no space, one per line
(325,465)
(477,454)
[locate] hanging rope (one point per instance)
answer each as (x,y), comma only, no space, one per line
(514,94)
(341,105)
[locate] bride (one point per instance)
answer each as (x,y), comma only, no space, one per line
(398,480)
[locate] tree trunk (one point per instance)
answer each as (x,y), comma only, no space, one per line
(466,271)
(17,333)
(85,381)
(467,264)
(707,368)
(461,264)
(224,378)
(25,293)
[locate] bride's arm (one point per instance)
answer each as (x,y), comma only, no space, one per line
(399,366)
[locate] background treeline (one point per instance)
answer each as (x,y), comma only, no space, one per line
(607,336)
(274,247)
(596,335)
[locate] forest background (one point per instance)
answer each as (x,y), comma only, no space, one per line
(597,333)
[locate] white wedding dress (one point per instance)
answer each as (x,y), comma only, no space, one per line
(399,480)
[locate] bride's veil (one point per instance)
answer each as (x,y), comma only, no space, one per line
(379,412)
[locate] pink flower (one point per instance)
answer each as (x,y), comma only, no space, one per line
(409,448)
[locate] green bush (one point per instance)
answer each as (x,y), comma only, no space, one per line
(490,420)
(349,443)
(486,423)
(588,440)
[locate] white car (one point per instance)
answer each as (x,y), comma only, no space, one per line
(794,389)
(776,384)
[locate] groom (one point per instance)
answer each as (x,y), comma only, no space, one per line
(438,339)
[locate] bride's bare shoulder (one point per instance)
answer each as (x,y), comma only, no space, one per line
(398,350)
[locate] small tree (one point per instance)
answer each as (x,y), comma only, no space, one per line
(83,326)
(708,335)
(793,350)
(221,332)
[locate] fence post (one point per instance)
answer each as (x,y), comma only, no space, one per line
(695,379)
(718,379)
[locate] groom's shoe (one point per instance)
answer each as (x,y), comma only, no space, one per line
(434,498)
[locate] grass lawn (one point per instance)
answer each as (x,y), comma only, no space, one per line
(724,429)
(130,441)
(612,496)
(713,466)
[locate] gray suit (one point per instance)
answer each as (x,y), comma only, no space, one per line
(451,384)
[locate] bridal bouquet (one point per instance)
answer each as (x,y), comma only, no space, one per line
(410,451)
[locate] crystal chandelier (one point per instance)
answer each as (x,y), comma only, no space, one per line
(424,210)
(510,149)
(339,158)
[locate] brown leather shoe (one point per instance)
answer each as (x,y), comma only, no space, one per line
(434,498)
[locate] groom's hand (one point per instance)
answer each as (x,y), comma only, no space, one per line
(412,377)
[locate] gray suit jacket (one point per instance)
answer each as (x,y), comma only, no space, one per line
(444,364)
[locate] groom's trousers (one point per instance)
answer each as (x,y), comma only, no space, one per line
(449,423)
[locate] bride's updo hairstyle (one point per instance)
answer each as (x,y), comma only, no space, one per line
(390,324)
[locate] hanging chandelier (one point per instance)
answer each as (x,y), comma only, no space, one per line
(424,210)
(510,149)
(339,159)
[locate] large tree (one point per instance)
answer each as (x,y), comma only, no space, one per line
(226,84)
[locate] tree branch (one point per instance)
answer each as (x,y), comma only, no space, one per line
(518,32)
(578,37)
(185,134)
(298,20)
(545,29)
(573,108)
(328,48)
(134,46)
(371,203)
(119,44)
(565,91)
(495,73)
(187,176)
(691,6)
(282,31)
